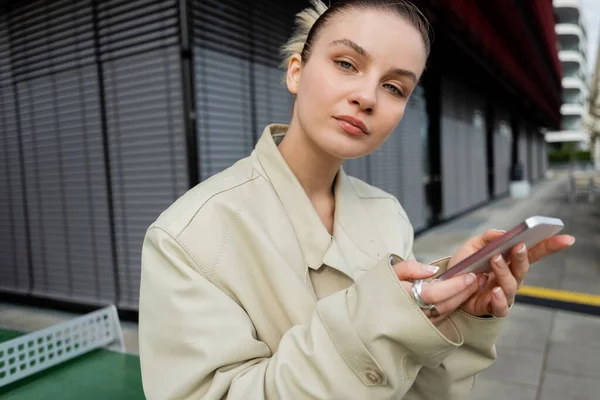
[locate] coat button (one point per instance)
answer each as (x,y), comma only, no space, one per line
(374,377)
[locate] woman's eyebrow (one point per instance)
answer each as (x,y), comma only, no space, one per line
(351,44)
(360,50)
(405,72)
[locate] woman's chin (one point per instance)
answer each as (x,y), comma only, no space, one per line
(347,151)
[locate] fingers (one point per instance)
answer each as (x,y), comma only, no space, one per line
(456,301)
(499,303)
(481,240)
(504,278)
(550,246)
(438,292)
(519,263)
(413,270)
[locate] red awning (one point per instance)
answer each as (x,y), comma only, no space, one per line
(519,48)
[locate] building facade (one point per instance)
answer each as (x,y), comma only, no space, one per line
(111,109)
(572,39)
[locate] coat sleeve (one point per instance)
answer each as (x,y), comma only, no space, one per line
(454,378)
(366,342)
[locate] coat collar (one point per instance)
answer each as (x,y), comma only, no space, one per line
(350,213)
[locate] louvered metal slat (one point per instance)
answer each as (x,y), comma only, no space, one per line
(62,124)
(464,159)
(224,109)
(147,149)
(410,165)
(544,160)
(478,153)
(128,28)
(52,52)
(273,101)
(502,155)
(239,88)
(523,151)
(14,269)
(49,244)
(534,156)
(449,146)
(384,164)
(50,36)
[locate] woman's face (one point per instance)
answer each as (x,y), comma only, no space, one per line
(352,92)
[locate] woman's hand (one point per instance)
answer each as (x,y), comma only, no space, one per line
(499,288)
(447,295)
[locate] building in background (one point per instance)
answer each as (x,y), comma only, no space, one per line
(111,109)
(572,39)
(593,116)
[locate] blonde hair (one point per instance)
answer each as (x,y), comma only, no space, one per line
(305,20)
(310,21)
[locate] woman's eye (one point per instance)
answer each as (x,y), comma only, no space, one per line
(345,65)
(394,90)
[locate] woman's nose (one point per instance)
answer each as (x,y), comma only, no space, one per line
(365,99)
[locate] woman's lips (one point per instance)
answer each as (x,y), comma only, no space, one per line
(351,125)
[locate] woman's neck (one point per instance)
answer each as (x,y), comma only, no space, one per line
(315,169)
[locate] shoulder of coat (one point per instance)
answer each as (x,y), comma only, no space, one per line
(367,191)
(370,192)
(205,196)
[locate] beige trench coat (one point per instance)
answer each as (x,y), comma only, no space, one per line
(245,295)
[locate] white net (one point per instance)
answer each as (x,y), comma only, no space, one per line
(36,351)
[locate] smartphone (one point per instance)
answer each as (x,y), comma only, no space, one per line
(531,232)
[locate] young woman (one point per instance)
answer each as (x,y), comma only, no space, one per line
(284,278)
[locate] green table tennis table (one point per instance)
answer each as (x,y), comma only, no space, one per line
(98,374)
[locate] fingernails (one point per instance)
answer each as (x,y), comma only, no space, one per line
(497,291)
(500,230)
(470,278)
(482,280)
(431,268)
(522,250)
(572,241)
(497,259)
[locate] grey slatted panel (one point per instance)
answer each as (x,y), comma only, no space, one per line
(464,178)
(523,150)
(544,157)
(84,182)
(384,164)
(478,152)
(67,205)
(66,186)
(51,37)
(358,168)
(502,151)
(449,149)
(273,102)
(534,155)
(224,109)
(463,159)
(413,133)
(147,148)
(131,27)
(541,146)
(396,166)
(143,95)
(239,87)
(474,152)
(42,152)
(14,273)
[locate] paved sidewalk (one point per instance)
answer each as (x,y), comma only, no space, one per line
(543,354)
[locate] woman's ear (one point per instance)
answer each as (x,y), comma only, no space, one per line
(293,73)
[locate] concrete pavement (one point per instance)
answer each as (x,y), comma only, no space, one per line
(543,354)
